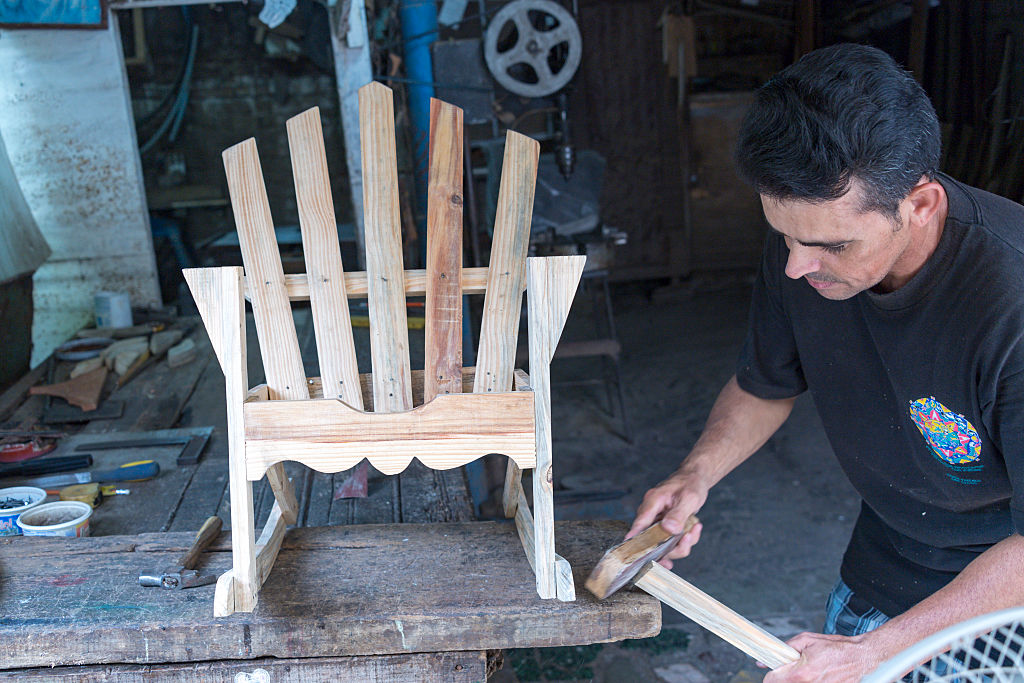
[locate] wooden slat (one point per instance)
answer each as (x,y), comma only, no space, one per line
(389,334)
(325,272)
(474,281)
(220,292)
(329,436)
(513,473)
(552,283)
(279,345)
(442,346)
(506,276)
(565,587)
(443,311)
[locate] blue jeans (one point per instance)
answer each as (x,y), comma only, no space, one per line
(841,620)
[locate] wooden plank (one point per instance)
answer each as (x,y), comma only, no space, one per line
(275,328)
(565,588)
(330,436)
(389,333)
(552,283)
(456,587)
(474,281)
(316,387)
(454,667)
(220,290)
(443,309)
(324,269)
(506,274)
(513,485)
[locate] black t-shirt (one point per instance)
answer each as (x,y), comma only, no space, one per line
(921,392)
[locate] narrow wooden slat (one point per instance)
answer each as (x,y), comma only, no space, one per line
(552,283)
(330,436)
(325,272)
(443,311)
(513,473)
(474,281)
(506,275)
(218,292)
(279,344)
(565,587)
(389,334)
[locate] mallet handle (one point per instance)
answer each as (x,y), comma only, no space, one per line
(715,617)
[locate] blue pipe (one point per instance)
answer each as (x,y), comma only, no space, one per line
(419,20)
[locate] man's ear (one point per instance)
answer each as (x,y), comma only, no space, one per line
(924,201)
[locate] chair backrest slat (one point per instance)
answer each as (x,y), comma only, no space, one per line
(332,325)
(506,275)
(279,345)
(389,333)
(442,351)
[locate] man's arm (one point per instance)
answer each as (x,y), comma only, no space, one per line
(739,424)
(989,583)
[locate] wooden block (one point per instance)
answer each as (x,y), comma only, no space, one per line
(330,436)
(389,335)
(132,343)
(87,365)
(82,391)
(623,561)
(162,341)
(443,331)
(181,353)
(324,270)
(125,360)
(506,273)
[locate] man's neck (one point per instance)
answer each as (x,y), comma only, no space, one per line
(924,240)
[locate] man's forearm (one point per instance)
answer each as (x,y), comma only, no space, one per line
(738,425)
(989,583)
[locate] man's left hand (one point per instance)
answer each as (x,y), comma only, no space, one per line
(836,659)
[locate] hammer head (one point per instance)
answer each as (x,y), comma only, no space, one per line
(623,562)
(176,577)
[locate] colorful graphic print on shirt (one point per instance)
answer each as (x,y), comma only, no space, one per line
(952,438)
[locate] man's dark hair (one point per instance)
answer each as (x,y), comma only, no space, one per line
(841,113)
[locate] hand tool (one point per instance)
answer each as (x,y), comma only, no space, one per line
(636,559)
(46,465)
(193,445)
(92,493)
(184,574)
(139,470)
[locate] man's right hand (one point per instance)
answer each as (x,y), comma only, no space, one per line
(671,502)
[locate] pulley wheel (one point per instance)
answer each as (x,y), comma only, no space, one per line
(533,47)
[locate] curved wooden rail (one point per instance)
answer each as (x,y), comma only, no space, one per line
(330,436)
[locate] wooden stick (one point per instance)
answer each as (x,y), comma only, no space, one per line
(565,588)
(330,436)
(442,355)
(389,334)
(474,281)
(218,295)
(552,283)
(275,327)
(513,473)
(325,273)
(716,617)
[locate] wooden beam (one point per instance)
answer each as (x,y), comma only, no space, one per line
(443,310)
(330,436)
(389,333)
(474,281)
(325,272)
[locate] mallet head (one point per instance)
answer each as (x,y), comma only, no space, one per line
(623,562)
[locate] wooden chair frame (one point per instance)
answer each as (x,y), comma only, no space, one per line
(321,421)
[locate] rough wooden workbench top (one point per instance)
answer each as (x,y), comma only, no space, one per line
(334,591)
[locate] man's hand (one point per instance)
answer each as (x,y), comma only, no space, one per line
(836,659)
(672,502)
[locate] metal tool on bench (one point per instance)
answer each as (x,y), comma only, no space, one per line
(139,470)
(184,574)
(192,445)
(636,560)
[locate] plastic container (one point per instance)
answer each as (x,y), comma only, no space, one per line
(113,309)
(68,518)
(9,517)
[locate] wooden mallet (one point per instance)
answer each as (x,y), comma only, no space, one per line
(636,561)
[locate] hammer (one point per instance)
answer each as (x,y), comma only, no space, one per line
(184,574)
(636,560)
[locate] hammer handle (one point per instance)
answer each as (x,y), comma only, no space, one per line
(715,617)
(207,533)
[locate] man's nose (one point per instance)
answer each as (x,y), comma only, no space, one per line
(802,261)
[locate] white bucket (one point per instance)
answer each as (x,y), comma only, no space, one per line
(113,309)
(68,518)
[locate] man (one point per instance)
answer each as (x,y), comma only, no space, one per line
(895,295)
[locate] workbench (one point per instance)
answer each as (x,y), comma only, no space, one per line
(426,592)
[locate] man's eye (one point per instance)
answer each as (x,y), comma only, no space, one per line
(835,249)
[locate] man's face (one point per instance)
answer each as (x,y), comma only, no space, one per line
(836,247)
